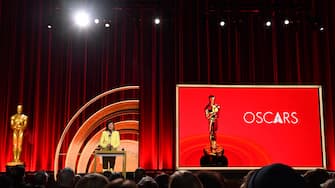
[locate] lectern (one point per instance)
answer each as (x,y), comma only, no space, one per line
(112,153)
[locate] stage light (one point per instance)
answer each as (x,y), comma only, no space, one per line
(322,28)
(81,18)
(107,25)
(96,21)
(222,23)
(268,23)
(286,21)
(49,26)
(157,21)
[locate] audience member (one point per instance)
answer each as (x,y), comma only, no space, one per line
(184,179)
(147,182)
(77,177)
(40,179)
(112,175)
(128,184)
(93,180)
(330,183)
(121,183)
(276,176)
(107,174)
(5,181)
(65,178)
(162,180)
(210,179)
(116,183)
(314,178)
(139,174)
(271,176)
(246,179)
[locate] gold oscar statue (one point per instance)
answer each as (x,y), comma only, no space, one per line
(18,123)
(212,113)
(213,153)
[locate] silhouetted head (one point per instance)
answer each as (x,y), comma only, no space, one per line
(330,183)
(162,180)
(93,180)
(139,174)
(113,175)
(210,179)
(147,182)
(5,181)
(316,177)
(184,179)
(40,178)
(65,178)
(276,176)
(246,179)
(121,183)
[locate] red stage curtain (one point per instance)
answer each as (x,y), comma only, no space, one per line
(53,72)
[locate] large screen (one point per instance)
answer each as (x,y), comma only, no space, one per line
(254,126)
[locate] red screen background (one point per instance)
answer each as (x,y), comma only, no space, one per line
(251,145)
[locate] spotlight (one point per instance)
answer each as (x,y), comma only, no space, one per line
(286,21)
(107,25)
(157,21)
(96,20)
(49,26)
(321,28)
(222,23)
(81,18)
(268,23)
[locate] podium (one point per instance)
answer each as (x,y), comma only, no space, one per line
(112,153)
(213,157)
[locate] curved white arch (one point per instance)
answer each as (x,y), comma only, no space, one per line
(75,116)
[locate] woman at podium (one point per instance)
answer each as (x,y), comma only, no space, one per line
(109,141)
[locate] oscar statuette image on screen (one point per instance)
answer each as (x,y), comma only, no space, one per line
(249,126)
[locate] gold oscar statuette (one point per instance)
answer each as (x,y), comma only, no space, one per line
(18,123)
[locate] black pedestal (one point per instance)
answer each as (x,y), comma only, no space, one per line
(17,170)
(213,158)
